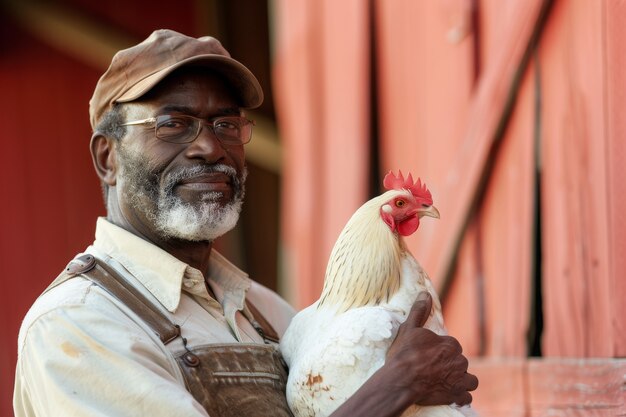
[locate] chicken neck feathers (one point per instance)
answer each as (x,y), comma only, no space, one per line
(364,265)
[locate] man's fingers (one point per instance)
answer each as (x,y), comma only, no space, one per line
(463,363)
(461,389)
(464,399)
(421,310)
(453,348)
(470,381)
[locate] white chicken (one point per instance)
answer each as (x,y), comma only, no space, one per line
(333,346)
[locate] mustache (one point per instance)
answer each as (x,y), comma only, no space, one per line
(175,177)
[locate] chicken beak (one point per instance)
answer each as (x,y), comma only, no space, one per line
(430,211)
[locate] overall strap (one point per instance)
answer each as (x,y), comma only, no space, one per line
(110,280)
(261,325)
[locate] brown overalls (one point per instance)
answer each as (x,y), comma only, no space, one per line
(234,379)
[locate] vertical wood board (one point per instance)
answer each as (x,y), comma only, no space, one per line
(464,309)
(322,90)
(466,168)
(496,253)
(614,16)
(577,297)
(295,86)
(506,223)
(425,82)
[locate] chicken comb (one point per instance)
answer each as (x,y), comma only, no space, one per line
(419,190)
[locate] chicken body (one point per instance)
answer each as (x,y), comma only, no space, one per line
(333,346)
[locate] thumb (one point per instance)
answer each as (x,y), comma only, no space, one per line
(421,310)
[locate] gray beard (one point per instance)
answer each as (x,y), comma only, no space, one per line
(202,220)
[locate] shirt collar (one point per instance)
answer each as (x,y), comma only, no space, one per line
(162,274)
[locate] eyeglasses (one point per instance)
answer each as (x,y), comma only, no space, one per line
(229,130)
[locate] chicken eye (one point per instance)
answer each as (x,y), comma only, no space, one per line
(400,203)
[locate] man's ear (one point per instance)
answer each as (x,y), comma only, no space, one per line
(104,156)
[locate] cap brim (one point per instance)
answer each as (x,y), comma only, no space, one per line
(240,78)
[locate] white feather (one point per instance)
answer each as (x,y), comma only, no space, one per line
(331,355)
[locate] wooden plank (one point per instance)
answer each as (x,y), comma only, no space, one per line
(425,77)
(294,100)
(322,91)
(463,169)
(549,387)
(490,296)
(343,131)
(578,298)
(488,109)
(614,16)
(416,132)
(577,387)
(502,388)
(425,86)
(506,231)
(464,311)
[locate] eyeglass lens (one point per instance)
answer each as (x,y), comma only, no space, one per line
(181,129)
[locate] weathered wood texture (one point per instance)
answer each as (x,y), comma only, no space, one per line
(583,297)
(539,99)
(425,80)
(550,387)
(324,122)
(48,197)
(503,387)
(614,16)
(448,132)
(534,115)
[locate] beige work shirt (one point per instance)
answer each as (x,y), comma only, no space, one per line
(81,352)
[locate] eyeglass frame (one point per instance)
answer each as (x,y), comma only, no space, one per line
(203,122)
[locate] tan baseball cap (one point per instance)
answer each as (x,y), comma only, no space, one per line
(136,70)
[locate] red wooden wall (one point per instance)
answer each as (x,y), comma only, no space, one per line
(582,171)
(512,113)
(48,195)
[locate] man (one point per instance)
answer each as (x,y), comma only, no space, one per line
(150,320)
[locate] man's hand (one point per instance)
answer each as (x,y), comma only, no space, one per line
(431,367)
(421,368)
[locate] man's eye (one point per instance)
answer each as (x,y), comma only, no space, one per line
(173,124)
(225,125)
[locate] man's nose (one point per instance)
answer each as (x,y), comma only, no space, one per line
(206,146)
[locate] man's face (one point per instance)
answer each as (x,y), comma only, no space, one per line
(192,191)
